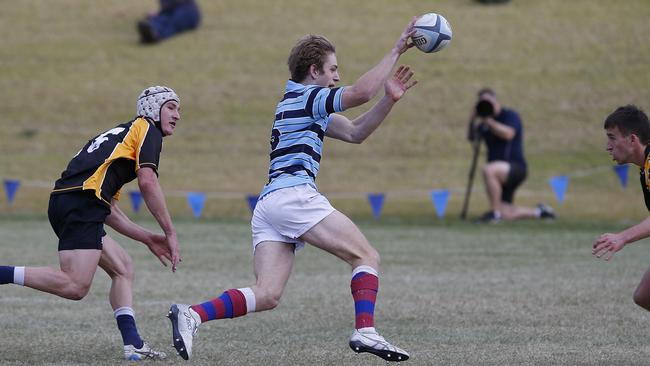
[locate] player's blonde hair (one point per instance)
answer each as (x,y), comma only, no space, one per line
(309,50)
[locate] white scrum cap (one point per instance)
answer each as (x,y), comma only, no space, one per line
(152,99)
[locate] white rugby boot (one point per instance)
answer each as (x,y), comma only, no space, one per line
(143,353)
(185,326)
(368,340)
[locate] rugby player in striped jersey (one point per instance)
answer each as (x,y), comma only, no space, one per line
(291,211)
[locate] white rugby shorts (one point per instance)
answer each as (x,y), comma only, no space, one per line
(285,214)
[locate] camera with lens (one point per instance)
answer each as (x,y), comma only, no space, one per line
(484,109)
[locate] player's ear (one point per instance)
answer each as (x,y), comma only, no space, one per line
(313,71)
(634,138)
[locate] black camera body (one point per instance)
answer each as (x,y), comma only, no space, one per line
(484,109)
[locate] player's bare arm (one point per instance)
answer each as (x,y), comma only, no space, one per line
(367,86)
(360,128)
(155,200)
(609,243)
(155,242)
(123,225)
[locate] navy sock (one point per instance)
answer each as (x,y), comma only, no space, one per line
(6,275)
(126,324)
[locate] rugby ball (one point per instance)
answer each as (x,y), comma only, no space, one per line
(432,33)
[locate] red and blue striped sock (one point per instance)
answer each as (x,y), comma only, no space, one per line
(364,285)
(231,304)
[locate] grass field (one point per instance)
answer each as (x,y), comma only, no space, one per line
(451,293)
(454,294)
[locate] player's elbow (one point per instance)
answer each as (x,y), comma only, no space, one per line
(356,138)
(357,134)
(145,185)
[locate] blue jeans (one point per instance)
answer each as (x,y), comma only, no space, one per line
(179,19)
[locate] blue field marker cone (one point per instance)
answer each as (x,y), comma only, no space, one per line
(440,198)
(376,203)
(136,200)
(196,200)
(11,187)
(252,201)
(559,185)
(621,173)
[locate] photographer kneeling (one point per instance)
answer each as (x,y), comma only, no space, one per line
(506,168)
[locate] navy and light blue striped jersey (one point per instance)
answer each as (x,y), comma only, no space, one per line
(301,119)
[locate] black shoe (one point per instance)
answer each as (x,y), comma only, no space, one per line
(545,211)
(147,33)
(489,218)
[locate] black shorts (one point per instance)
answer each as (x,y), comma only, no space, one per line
(516,176)
(78,219)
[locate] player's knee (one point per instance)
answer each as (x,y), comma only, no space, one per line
(367,255)
(641,299)
(487,170)
(76,291)
(126,269)
(373,257)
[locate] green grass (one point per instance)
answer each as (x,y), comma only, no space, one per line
(451,294)
(70,68)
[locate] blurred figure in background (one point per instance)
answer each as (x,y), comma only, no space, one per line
(175,16)
(506,167)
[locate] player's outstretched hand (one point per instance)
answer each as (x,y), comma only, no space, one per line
(397,85)
(165,250)
(172,243)
(606,245)
(403,43)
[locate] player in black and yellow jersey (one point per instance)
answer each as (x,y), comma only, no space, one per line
(85,197)
(628,139)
